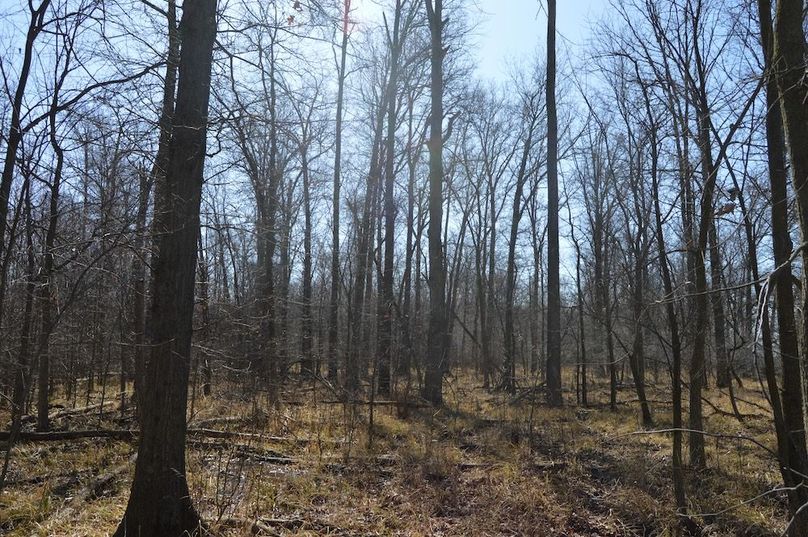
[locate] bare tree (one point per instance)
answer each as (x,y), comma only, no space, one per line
(438,344)
(554,396)
(160,468)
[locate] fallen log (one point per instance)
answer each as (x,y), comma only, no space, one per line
(56,436)
(245,451)
(69,412)
(408,404)
(224,420)
(216,433)
(129,435)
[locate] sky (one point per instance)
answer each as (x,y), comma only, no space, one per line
(512,31)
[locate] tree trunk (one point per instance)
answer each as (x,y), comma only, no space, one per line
(405,364)
(509,371)
(699,250)
(491,287)
(204,331)
(307,361)
(15,134)
(46,294)
(388,300)
(333,306)
(722,376)
(269,357)
(673,324)
(554,397)
(581,366)
(156,179)
(638,347)
(789,52)
(160,504)
(437,339)
(21,372)
(608,322)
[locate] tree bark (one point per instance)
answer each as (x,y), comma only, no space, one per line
(46,295)
(160,503)
(722,376)
(333,306)
(156,180)
(673,323)
(437,339)
(307,365)
(554,397)
(21,371)
(784,52)
(509,371)
(388,299)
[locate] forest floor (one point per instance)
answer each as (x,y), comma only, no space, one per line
(485,464)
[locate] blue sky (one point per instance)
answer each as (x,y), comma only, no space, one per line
(511,31)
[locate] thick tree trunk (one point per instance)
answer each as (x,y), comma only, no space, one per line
(269,355)
(156,180)
(785,52)
(285,274)
(160,503)
(698,362)
(357,351)
(491,287)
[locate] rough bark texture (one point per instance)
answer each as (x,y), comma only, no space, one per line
(788,69)
(159,503)
(155,180)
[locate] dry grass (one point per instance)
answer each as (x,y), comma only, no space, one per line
(479,466)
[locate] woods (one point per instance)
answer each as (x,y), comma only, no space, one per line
(325,237)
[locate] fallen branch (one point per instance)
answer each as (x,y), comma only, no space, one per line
(55,436)
(408,404)
(245,451)
(129,435)
(92,490)
(219,421)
